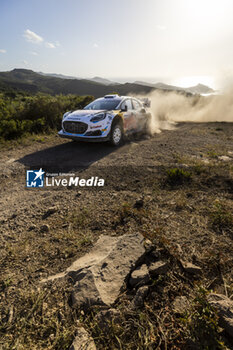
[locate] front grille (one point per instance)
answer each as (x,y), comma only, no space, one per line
(75,127)
(93,133)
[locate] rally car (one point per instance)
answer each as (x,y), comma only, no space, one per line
(108,118)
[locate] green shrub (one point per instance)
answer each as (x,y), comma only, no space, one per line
(176,176)
(9,129)
(40,113)
(221,218)
(202,323)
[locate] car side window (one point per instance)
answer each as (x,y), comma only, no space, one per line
(137,105)
(127,103)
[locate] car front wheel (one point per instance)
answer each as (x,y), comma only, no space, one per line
(116,134)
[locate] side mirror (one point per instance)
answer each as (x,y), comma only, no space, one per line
(124,109)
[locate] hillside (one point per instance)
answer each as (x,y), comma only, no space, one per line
(28,80)
(95,79)
(62,76)
(197,89)
(104,81)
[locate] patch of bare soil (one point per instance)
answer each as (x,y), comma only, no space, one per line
(175,188)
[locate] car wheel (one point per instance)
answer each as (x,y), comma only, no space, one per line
(117,134)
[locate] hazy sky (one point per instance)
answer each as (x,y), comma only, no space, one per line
(183,41)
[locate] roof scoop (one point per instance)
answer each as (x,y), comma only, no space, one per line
(111,96)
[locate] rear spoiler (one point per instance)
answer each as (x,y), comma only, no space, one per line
(146,102)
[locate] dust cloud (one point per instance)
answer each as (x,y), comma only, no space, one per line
(168,108)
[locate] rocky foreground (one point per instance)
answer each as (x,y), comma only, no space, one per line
(129,261)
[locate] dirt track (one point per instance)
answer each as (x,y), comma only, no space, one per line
(197,142)
(132,167)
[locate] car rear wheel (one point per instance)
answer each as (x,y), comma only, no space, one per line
(117,134)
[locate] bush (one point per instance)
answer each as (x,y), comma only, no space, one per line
(202,322)
(177,176)
(9,129)
(40,113)
(221,218)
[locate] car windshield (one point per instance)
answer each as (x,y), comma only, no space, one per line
(105,103)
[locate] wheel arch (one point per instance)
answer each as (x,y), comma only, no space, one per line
(118,118)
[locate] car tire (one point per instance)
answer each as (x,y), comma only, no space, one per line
(117,134)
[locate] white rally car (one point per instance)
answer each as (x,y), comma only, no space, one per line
(108,118)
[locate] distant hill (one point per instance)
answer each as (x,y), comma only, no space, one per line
(198,89)
(96,79)
(62,76)
(30,81)
(104,81)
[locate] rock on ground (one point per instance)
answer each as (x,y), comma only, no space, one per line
(138,300)
(139,276)
(49,212)
(224,307)
(100,275)
(44,228)
(158,268)
(83,341)
(224,158)
(191,268)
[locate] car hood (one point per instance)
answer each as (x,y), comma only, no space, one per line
(82,114)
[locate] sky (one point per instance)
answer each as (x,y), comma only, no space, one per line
(175,41)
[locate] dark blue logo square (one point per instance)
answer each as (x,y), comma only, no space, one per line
(35,178)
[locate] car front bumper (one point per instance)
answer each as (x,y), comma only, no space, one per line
(77,137)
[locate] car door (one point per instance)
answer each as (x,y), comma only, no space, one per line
(130,122)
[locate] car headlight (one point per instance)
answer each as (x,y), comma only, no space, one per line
(65,115)
(98,117)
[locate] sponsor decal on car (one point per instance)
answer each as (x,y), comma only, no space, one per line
(95,127)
